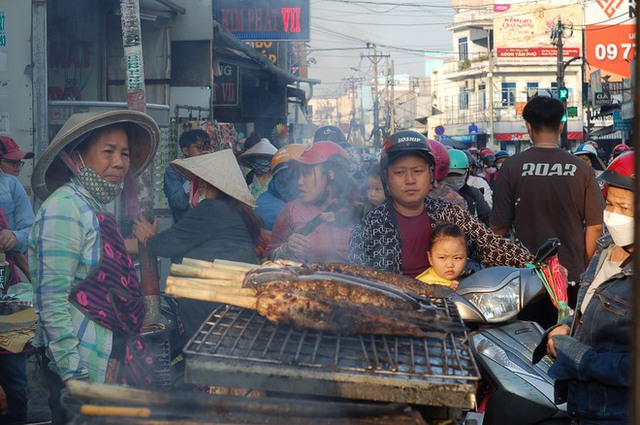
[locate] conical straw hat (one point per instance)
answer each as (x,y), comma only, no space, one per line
(219,169)
(50,172)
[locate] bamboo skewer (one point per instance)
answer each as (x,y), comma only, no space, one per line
(197,263)
(218,297)
(204,272)
(234,266)
(210,285)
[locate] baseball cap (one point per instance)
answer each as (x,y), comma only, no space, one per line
(10,150)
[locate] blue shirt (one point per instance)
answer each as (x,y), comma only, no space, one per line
(16,206)
(176,196)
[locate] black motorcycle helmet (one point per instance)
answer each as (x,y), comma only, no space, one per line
(403,143)
(330,133)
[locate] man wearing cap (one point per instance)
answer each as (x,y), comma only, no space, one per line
(16,219)
(176,188)
(11,156)
(77,256)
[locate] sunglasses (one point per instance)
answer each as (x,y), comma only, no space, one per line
(14,164)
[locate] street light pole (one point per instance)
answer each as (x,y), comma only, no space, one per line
(564,143)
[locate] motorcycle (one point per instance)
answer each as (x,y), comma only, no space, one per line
(511,390)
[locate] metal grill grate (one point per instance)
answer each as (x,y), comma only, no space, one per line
(235,339)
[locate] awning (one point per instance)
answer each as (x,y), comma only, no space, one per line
(602,131)
(515,137)
(224,42)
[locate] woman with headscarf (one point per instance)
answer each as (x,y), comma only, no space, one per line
(316,226)
(220,225)
(84,280)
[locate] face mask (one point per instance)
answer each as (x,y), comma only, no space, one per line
(261,166)
(99,188)
(498,166)
(455,182)
(490,170)
(620,228)
(195,197)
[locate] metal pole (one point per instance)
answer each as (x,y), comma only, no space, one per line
(39,76)
(635,343)
(490,136)
(393,99)
(137,101)
(560,82)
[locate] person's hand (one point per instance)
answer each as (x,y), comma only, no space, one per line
(328,217)
(297,244)
(454,285)
(186,187)
(7,239)
(143,229)
(560,330)
(3,402)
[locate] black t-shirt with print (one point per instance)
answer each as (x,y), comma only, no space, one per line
(548,192)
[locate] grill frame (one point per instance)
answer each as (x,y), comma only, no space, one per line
(225,352)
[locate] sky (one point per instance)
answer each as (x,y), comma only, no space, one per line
(409,31)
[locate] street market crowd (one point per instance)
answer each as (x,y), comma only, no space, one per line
(417,208)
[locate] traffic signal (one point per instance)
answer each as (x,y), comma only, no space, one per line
(564,118)
(563,93)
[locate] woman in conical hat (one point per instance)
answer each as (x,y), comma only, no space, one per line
(83,278)
(220,225)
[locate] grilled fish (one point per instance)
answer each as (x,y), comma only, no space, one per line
(310,311)
(387,278)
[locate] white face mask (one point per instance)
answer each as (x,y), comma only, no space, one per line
(620,228)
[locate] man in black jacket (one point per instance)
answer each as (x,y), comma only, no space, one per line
(457,180)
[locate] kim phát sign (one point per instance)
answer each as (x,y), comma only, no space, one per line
(265,20)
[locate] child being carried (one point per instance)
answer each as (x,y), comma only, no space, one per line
(447,256)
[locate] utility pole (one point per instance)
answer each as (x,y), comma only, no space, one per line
(137,101)
(392,124)
(490,140)
(375,59)
(564,143)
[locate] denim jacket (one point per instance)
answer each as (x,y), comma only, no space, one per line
(593,367)
(16,206)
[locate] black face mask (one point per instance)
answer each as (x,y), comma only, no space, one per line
(260,165)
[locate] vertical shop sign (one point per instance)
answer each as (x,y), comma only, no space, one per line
(3,31)
(226,86)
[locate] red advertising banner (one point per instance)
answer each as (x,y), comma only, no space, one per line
(610,36)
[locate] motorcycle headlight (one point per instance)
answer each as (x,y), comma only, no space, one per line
(497,306)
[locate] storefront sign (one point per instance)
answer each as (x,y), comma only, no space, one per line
(611,37)
(264,20)
(226,86)
(522,32)
(268,49)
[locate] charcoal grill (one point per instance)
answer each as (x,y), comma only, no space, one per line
(237,347)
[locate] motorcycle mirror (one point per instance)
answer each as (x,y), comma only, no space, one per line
(548,249)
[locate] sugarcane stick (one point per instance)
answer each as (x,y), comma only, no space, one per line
(197,263)
(218,297)
(212,282)
(131,412)
(234,265)
(203,272)
(210,285)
